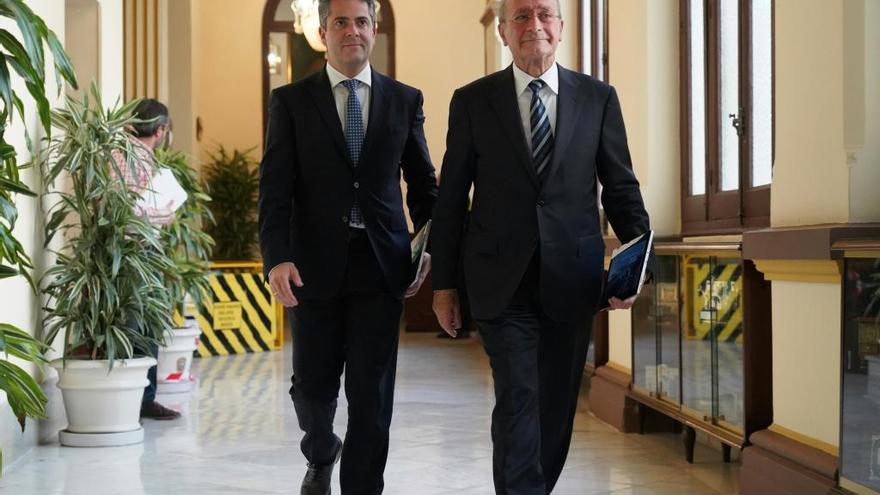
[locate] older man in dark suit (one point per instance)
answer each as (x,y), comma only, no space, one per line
(534,141)
(335,241)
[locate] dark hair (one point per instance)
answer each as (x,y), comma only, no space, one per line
(324,11)
(153,114)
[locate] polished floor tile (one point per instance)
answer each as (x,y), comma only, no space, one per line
(239,435)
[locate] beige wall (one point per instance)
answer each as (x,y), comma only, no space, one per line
(93,39)
(177,71)
(111,51)
(82,21)
(443,63)
(806,358)
(620,339)
(810,176)
(862,69)
(643,64)
(226,75)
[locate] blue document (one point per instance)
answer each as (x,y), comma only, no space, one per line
(629,263)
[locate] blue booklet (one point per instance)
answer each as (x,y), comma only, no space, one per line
(627,270)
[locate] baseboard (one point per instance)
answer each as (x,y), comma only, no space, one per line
(780,465)
(609,401)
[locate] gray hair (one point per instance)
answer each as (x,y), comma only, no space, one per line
(502,10)
(324,11)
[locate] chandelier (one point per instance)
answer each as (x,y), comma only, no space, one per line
(307,22)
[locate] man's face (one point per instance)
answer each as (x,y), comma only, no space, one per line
(350,34)
(532,28)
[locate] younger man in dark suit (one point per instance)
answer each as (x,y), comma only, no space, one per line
(335,242)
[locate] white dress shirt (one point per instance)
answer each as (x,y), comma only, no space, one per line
(340,93)
(548,95)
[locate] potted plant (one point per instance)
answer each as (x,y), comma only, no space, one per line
(235,178)
(106,293)
(189,248)
(25,397)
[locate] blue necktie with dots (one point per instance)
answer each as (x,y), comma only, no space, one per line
(542,134)
(354,138)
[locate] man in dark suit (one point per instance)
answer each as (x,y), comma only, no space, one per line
(532,140)
(335,242)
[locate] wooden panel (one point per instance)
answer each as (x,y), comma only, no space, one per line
(141,48)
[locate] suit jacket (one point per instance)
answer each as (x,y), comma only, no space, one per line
(513,213)
(308,182)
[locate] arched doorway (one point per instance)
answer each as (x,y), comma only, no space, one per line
(293,58)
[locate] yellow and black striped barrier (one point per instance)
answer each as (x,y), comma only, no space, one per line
(239,315)
(715,287)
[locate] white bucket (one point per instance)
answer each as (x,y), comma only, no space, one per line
(175,359)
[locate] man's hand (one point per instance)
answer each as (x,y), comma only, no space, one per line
(279,280)
(424,270)
(448,311)
(616,303)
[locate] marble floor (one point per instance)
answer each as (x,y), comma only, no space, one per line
(239,436)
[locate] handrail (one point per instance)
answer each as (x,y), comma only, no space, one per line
(724,248)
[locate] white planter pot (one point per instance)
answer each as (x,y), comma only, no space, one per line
(175,359)
(103,406)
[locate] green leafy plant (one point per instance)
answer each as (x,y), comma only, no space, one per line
(235,179)
(108,280)
(28,61)
(183,239)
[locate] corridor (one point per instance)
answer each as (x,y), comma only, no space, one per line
(239,436)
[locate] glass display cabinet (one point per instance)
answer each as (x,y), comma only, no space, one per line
(860,362)
(701,343)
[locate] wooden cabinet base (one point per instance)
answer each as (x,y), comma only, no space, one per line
(779,465)
(609,401)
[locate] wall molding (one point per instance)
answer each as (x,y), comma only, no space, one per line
(805,439)
(619,368)
(814,271)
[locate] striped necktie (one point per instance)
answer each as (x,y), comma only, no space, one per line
(542,134)
(354,138)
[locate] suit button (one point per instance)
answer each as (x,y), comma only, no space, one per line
(344,219)
(357,185)
(541,202)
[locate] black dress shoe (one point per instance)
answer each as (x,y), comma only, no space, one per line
(154,410)
(317,478)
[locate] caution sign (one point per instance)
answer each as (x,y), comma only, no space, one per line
(714,308)
(227,315)
(239,315)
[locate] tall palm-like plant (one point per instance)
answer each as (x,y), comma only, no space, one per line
(184,240)
(234,178)
(108,280)
(28,62)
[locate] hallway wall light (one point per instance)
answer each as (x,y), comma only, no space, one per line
(306,22)
(274,58)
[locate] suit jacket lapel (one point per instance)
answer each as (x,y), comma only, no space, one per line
(566,114)
(504,102)
(379,100)
(323,98)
